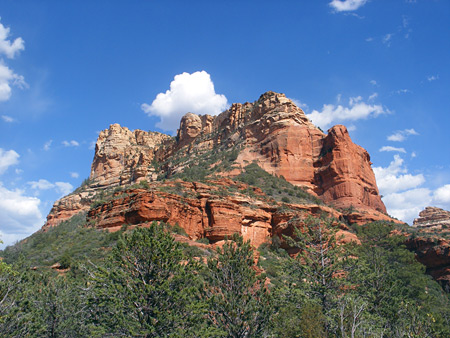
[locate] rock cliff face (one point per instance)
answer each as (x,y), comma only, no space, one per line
(434,253)
(214,210)
(122,156)
(272,131)
(431,243)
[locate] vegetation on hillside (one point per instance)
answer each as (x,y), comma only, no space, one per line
(148,285)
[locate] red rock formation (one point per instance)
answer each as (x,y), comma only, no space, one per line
(434,253)
(344,175)
(433,217)
(202,211)
(272,131)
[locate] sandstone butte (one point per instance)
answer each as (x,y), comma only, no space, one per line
(272,132)
(431,243)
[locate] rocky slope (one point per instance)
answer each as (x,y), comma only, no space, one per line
(272,132)
(431,243)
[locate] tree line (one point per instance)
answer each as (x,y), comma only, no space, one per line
(149,286)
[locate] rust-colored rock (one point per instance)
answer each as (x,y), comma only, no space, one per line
(205,215)
(272,131)
(67,207)
(344,175)
(434,253)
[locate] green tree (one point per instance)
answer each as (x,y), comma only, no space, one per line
(319,264)
(239,303)
(146,289)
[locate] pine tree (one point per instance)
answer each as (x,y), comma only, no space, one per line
(239,303)
(147,289)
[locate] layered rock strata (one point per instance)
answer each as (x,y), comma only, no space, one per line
(272,131)
(433,217)
(207,211)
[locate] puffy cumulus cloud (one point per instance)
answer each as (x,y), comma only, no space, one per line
(7,79)
(7,159)
(192,93)
(63,188)
(404,194)
(357,110)
(406,205)
(401,135)
(395,177)
(74,175)
(346,5)
(441,196)
(432,78)
(8,47)
(389,148)
(20,215)
(41,185)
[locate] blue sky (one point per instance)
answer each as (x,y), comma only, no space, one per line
(69,69)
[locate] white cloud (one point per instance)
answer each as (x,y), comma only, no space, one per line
(373,96)
(432,78)
(373,82)
(401,135)
(442,195)
(389,148)
(300,104)
(346,5)
(7,118)
(351,127)
(407,205)
(47,145)
(403,91)
(395,177)
(357,110)
(7,159)
(63,188)
(7,79)
(20,215)
(74,175)
(41,184)
(72,143)
(369,39)
(387,39)
(8,48)
(188,93)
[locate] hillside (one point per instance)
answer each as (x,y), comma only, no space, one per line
(252,223)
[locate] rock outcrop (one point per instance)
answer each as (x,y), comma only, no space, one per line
(215,210)
(123,156)
(434,253)
(433,217)
(431,244)
(272,131)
